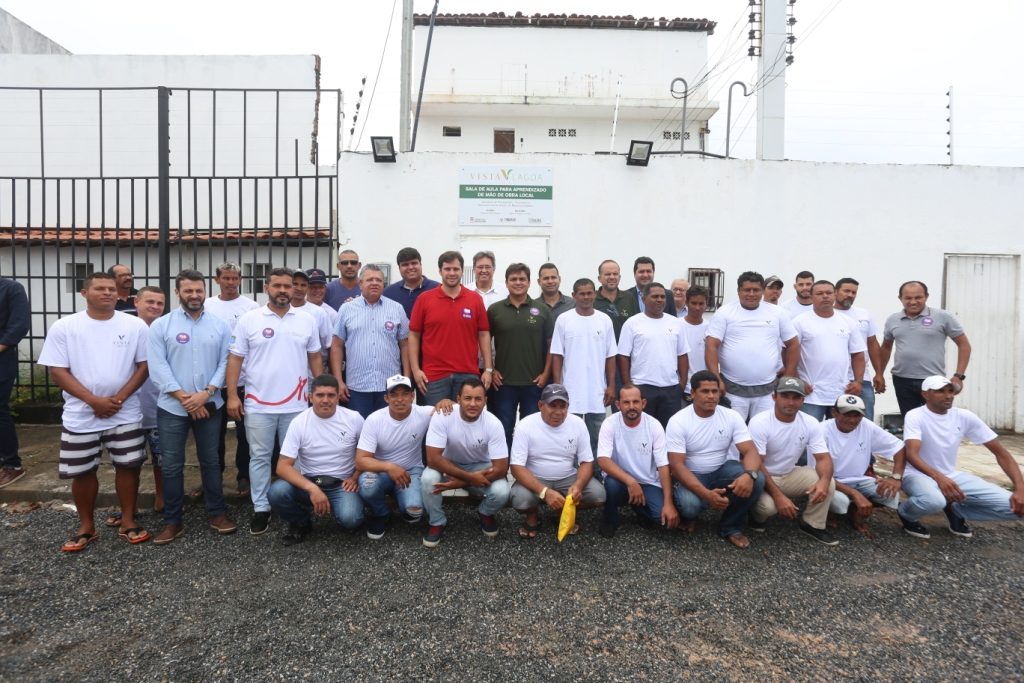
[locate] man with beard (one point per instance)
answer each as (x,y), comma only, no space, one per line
(188,355)
(802,302)
(346,287)
(846,294)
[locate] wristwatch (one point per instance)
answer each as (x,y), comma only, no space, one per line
(211,392)
(753,474)
(488,369)
(960,376)
(897,476)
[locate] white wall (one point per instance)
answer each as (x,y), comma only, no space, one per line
(71,118)
(17,37)
(881,224)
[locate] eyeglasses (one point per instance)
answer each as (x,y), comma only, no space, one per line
(348,263)
(483,267)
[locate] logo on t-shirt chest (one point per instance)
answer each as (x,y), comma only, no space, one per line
(268,332)
(927,322)
(467,313)
(571,447)
(182,338)
(121,341)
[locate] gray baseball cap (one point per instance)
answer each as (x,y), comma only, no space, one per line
(848,403)
(554,392)
(791,385)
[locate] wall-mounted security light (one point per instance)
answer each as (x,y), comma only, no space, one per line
(639,153)
(383,149)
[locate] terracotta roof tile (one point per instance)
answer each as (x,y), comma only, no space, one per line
(569,21)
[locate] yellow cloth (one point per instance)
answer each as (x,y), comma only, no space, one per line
(568,520)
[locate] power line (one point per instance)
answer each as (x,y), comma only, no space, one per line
(376,79)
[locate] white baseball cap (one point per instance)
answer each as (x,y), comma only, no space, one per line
(398,381)
(935,382)
(848,403)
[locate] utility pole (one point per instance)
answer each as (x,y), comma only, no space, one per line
(771,81)
(405,117)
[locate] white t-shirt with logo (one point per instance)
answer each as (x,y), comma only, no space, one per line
(468,443)
(639,450)
(585,342)
(324,328)
(653,346)
(695,335)
(750,341)
(826,345)
(707,441)
(852,453)
(101,355)
(551,452)
(275,350)
(324,446)
(865,326)
(940,435)
(795,308)
(397,441)
(782,443)
(230,312)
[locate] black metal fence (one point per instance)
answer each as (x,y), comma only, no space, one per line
(157,179)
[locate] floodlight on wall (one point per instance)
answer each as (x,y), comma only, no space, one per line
(639,153)
(383,149)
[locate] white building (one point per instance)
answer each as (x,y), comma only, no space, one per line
(17,37)
(557,83)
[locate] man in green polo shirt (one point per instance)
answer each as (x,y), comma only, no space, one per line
(521,328)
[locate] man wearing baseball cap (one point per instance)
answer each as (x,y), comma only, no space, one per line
(932,434)
(782,436)
(772,289)
(545,449)
(853,441)
(389,455)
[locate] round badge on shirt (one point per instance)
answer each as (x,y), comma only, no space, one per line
(268,332)
(534,311)
(927,322)
(182,338)
(389,326)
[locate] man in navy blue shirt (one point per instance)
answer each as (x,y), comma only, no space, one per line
(346,287)
(14,325)
(412,284)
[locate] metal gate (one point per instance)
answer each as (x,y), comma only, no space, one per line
(157,179)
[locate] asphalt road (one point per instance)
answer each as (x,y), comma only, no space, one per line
(644,606)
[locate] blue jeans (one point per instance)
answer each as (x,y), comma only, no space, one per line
(840,504)
(174,431)
(366,402)
(373,486)
(262,429)
(292,505)
(983,502)
(446,387)
(867,394)
(662,402)
(617,495)
(241,446)
(734,517)
(508,398)
(495,496)
(819,413)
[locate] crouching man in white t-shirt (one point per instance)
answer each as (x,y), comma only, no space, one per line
(317,468)
(545,449)
(853,442)
(466,449)
(631,447)
(701,438)
(932,435)
(782,435)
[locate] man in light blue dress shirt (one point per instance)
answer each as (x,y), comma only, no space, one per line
(190,349)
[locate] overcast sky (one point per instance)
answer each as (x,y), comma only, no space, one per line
(868,83)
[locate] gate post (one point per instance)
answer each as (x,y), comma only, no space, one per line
(163,161)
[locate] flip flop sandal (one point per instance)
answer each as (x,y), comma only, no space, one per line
(75,545)
(529,531)
(141,535)
(113,519)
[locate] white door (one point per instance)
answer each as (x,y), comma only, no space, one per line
(981,290)
(531,250)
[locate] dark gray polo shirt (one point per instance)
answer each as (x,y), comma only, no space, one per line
(920,342)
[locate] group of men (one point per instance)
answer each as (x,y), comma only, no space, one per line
(423,386)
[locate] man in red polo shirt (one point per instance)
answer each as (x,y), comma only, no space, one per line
(447,329)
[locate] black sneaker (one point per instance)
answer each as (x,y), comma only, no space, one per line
(488,525)
(819,535)
(755,525)
(957,524)
(607,529)
(260,523)
(375,528)
(411,519)
(433,536)
(296,533)
(915,529)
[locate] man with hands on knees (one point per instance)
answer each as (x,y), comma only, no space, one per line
(317,473)
(701,440)
(782,436)
(545,449)
(932,435)
(631,447)
(466,449)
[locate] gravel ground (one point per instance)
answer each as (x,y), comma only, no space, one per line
(643,606)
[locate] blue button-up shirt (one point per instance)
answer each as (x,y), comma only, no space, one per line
(373,336)
(187,354)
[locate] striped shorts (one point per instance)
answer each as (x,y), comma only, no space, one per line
(80,453)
